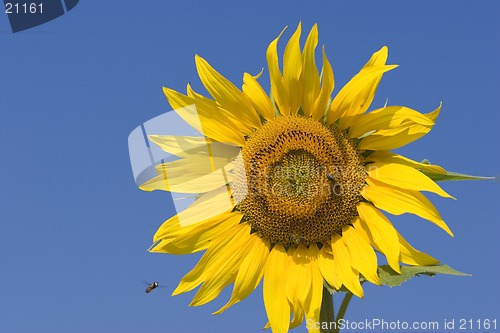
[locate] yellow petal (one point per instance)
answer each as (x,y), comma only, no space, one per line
(380,231)
(343,268)
(217,279)
(392,139)
(209,122)
(304,283)
(278,91)
(298,315)
(434,114)
(250,271)
(312,304)
(171,228)
(398,136)
(387,118)
(310,76)
(293,288)
(209,104)
(193,166)
(195,174)
(258,97)
(399,201)
(405,177)
(210,289)
(195,238)
(292,68)
(210,204)
(411,256)
(326,266)
(185,146)
(227,94)
(385,156)
(378,58)
(214,258)
(327,84)
(298,280)
(363,257)
(356,96)
(275,301)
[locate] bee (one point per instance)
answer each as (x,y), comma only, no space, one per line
(297,239)
(151,287)
(336,187)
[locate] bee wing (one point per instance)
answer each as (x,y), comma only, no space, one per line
(151,284)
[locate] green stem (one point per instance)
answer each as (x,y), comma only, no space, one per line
(342,310)
(326,313)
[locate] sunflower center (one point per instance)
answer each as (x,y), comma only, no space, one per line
(298,182)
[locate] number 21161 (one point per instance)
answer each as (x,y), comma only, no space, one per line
(25,8)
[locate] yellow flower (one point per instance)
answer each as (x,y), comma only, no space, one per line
(289,187)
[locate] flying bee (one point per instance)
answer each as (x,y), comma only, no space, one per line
(151,287)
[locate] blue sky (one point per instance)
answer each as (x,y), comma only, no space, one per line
(74,226)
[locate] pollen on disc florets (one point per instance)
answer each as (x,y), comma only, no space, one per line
(297,181)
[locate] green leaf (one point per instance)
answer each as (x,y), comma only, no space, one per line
(454,176)
(393,279)
(450,175)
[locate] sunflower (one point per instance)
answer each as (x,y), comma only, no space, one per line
(289,187)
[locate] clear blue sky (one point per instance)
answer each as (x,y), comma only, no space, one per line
(74,228)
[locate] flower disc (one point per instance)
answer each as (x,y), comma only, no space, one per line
(301,181)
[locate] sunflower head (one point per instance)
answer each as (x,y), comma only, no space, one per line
(290,186)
